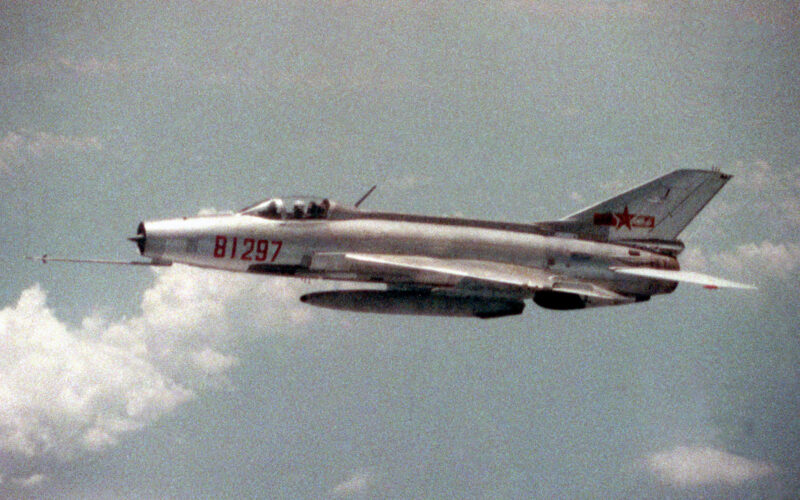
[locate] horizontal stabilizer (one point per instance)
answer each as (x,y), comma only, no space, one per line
(682,276)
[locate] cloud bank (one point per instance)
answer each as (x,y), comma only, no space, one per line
(67,390)
(765,259)
(62,393)
(775,259)
(696,466)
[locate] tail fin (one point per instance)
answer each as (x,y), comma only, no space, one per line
(657,210)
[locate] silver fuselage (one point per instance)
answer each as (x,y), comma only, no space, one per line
(246,243)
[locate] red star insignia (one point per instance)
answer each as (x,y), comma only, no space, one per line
(624,218)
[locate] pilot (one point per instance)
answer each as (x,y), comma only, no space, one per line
(314,210)
(270,211)
(298,209)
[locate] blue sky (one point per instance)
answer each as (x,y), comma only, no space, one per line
(182,383)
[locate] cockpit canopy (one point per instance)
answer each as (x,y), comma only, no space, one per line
(293,208)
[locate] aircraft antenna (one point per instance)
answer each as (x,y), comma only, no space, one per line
(365,195)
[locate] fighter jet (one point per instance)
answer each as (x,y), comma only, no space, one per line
(619,251)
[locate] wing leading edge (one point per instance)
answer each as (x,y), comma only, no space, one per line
(466,277)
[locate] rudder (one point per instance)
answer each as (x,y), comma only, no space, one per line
(656,210)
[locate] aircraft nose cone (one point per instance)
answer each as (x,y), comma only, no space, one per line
(140,239)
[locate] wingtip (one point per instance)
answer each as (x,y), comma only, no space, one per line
(732,284)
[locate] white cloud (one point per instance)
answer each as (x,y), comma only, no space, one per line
(212,362)
(760,174)
(695,466)
(775,259)
(777,214)
(764,260)
(62,394)
(15,145)
(72,390)
(782,184)
(30,481)
(189,315)
(355,486)
(694,259)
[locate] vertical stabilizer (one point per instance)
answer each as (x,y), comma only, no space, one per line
(657,210)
